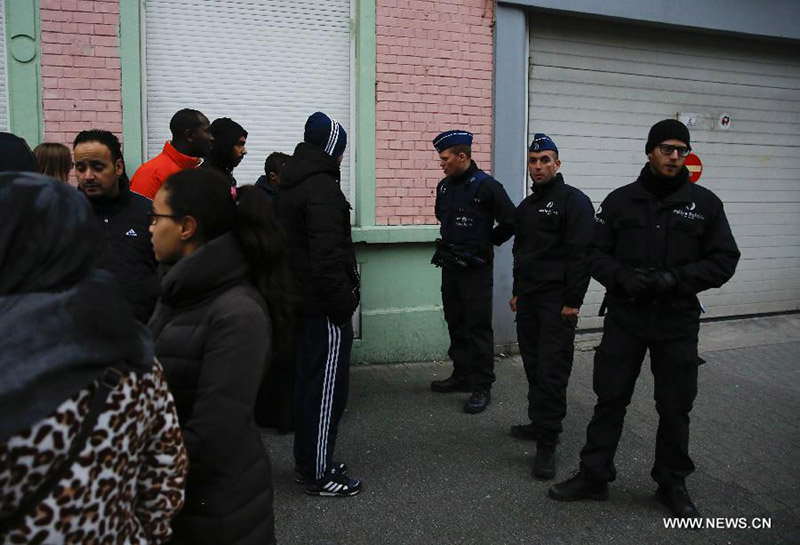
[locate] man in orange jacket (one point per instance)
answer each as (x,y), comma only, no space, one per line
(191,140)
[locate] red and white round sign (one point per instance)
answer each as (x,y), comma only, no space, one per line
(695,167)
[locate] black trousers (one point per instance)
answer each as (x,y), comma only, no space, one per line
(467,300)
(546,344)
(617,364)
(274,403)
(321,387)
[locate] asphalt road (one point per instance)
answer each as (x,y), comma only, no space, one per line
(435,475)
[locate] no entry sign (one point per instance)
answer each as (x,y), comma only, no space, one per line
(694,166)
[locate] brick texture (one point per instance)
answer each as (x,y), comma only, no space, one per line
(434,73)
(81,76)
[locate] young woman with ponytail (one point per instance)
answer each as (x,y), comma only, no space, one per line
(220,317)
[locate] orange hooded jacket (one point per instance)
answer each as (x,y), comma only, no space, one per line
(151,175)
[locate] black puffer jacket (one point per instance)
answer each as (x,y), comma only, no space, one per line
(685,232)
(316,217)
(553,228)
(213,335)
(126,249)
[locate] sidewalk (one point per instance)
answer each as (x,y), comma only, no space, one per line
(435,475)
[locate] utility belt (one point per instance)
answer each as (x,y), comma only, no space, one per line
(670,302)
(447,256)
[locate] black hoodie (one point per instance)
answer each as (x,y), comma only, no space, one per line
(316,216)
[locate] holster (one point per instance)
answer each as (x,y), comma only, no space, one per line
(447,256)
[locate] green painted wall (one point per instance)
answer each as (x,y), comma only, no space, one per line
(24,61)
(401,305)
(129,45)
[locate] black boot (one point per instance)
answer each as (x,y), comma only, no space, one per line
(544,464)
(675,496)
(579,487)
(452,384)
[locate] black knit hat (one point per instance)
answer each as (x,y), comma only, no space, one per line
(226,133)
(666,130)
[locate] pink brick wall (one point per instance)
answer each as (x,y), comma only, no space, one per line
(81,77)
(434,72)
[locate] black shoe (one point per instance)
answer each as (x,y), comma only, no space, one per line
(452,384)
(677,499)
(478,402)
(544,464)
(528,432)
(579,487)
(302,477)
(334,484)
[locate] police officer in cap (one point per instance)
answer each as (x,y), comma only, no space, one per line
(553,227)
(658,243)
(468,202)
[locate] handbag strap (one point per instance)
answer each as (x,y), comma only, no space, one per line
(105,385)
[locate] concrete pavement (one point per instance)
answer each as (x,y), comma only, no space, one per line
(435,475)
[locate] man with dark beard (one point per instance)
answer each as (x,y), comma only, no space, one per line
(228,149)
(658,242)
(126,250)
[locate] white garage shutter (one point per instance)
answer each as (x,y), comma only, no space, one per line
(3,72)
(266,64)
(596,87)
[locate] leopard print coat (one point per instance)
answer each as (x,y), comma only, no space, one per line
(126,484)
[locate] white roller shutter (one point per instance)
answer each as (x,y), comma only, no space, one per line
(266,64)
(596,87)
(3,71)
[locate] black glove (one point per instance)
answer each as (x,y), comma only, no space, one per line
(662,282)
(636,283)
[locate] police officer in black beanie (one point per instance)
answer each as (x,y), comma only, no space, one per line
(553,227)
(468,202)
(228,149)
(658,243)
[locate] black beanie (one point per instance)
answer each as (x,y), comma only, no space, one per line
(226,133)
(325,133)
(666,130)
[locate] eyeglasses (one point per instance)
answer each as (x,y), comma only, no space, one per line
(667,149)
(152,217)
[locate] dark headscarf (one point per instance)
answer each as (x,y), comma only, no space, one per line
(15,154)
(61,322)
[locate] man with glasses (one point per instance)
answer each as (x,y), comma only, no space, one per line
(126,250)
(658,242)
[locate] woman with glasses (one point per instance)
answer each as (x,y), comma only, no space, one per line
(220,315)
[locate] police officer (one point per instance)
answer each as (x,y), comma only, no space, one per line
(468,202)
(553,227)
(658,242)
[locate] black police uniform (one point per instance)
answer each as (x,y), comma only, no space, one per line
(687,234)
(553,227)
(467,207)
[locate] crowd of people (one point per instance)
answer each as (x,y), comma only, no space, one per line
(151,324)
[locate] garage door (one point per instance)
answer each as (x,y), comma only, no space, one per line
(597,86)
(266,64)
(3,71)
